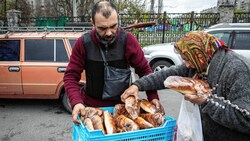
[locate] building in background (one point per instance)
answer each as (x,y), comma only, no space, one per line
(243,5)
(210,10)
(239,5)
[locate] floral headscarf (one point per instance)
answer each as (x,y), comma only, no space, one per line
(199,47)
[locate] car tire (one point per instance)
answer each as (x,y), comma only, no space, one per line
(65,102)
(161,64)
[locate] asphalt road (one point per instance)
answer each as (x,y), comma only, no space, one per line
(46,120)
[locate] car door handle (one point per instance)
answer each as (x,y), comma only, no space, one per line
(14,69)
(61,69)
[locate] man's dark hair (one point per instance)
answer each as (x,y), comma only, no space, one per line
(104,7)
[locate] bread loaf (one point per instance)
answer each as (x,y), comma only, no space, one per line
(186,85)
(109,123)
(132,106)
(147,106)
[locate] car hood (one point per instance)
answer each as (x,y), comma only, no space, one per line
(158,47)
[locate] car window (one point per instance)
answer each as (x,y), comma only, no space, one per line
(9,50)
(72,43)
(61,54)
(224,36)
(45,51)
(241,41)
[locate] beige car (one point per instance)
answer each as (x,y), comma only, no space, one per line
(32,64)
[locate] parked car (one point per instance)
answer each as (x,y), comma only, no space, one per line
(160,56)
(32,64)
(235,35)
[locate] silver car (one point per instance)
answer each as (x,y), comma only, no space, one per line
(160,56)
(235,35)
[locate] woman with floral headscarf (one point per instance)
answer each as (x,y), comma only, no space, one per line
(226,113)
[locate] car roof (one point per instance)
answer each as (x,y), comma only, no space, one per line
(36,32)
(230,25)
(41,35)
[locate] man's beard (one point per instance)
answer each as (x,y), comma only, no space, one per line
(103,41)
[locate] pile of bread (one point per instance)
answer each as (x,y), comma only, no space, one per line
(130,116)
(139,114)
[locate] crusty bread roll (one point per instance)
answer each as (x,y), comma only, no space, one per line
(125,124)
(88,123)
(119,109)
(143,124)
(132,106)
(147,106)
(109,123)
(186,85)
(97,123)
(155,119)
(91,111)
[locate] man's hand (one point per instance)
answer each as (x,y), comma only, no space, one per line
(78,109)
(158,106)
(131,91)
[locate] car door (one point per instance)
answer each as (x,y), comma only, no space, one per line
(45,62)
(240,43)
(237,40)
(10,67)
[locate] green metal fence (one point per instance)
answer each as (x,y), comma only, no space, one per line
(169,26)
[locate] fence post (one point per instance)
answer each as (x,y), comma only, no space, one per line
(164,23)
(191,21)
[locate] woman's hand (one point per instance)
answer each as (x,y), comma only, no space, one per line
(196,99)
(131,91)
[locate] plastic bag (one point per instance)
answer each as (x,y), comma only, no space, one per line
(189,126)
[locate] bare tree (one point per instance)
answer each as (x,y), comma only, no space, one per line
(39,11)
(130,6)
(54,8)
(25,8)
(160,6)
(152,5)
(85,7)
(57,8)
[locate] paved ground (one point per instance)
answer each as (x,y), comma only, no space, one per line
(34,120)
(46,120)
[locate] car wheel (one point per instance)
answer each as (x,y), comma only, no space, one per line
(161,64)
(65,102)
